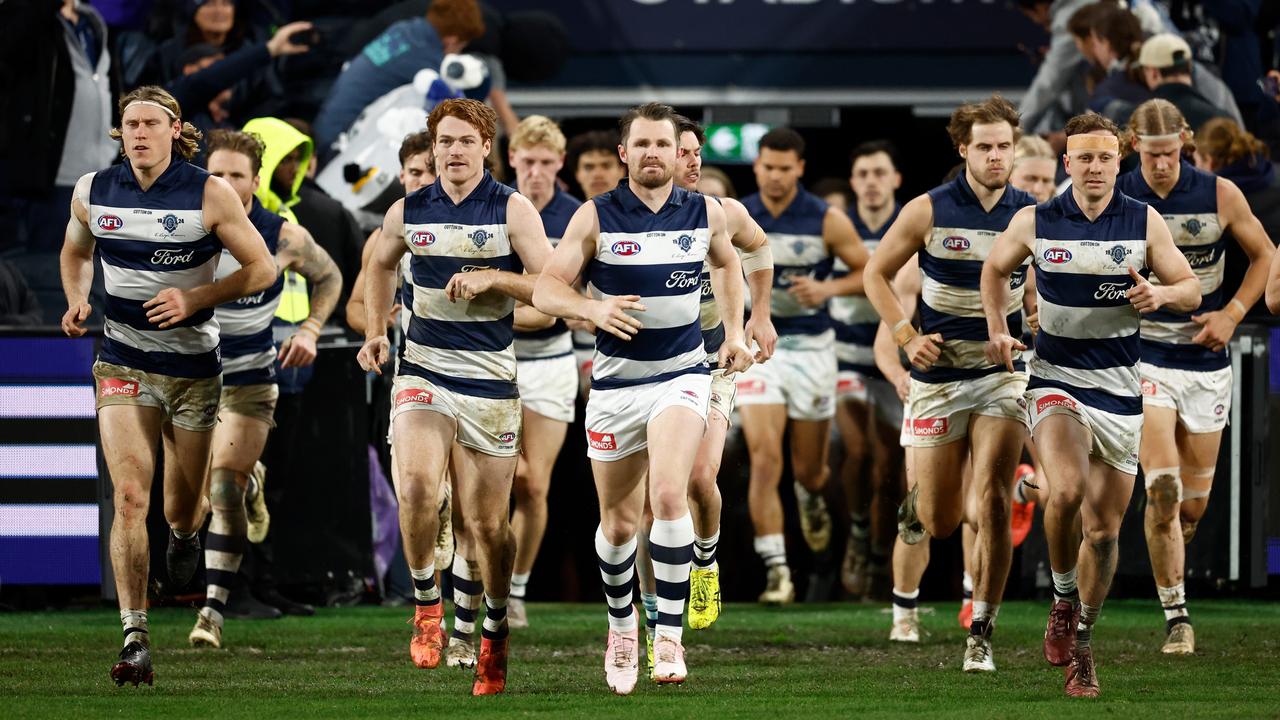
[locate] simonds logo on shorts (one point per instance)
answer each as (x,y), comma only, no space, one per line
(114,387)
(928,427)
(1052,401)
(601,441)
(414,396)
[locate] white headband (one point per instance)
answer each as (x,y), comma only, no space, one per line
(1160,138)
(152,103)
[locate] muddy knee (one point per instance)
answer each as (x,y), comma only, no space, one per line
(226,491)
(1164,493)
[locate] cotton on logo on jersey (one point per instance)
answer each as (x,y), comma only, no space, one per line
(110,222)
(625,248)
(1052,401)
(422,397)
(114,387)
(928,427)
(601,441)
(1057,256)
(956,243)
(421,238)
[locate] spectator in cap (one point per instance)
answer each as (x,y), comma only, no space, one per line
(1167,67)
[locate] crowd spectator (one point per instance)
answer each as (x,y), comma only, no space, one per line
(18,304)
(393,58)
(1167,66)
(1109,37)
(1228,150)
(1059,74)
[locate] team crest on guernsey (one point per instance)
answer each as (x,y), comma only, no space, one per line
(1193,226)
(170,223)
(684,242)
(1118,253)
(480,237)
(798,247)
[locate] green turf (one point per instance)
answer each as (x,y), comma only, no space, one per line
(811,661)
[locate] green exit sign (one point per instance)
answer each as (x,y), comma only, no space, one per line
(733,142)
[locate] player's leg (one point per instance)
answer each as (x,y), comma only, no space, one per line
(422,439)
(1162,474)
(1106,498)
(238,441)
(484,492)
(996,444)
(645,581)
(968,541)
(853,415)
(130,440)
(762,428)
(468,592)
(909,564)
(705,504)
(810,448)
(678,431)
(620,488)
(1063,442)
(1197,457)
(543,438)
(885,473)
(186,496)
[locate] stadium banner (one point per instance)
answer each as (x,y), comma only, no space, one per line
(784,25)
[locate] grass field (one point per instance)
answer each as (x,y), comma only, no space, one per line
(811,661)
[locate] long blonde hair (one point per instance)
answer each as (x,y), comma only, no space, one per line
(187,144)
(1156,117)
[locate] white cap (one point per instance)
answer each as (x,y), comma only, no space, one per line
(1164,51)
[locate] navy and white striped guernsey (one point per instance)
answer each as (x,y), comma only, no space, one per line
(951,269)
(1191,212)
(795,239)
(463,346)
(853,316)
(248,352)
(148,241)
(1088,339)
(658,256)
(552,341)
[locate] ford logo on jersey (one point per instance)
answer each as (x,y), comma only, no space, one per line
(1057,256)
(421,238)
(955,243)
(110,222)
(625,247)
(684,279)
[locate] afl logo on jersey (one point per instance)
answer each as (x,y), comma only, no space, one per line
(955,243)
(110,222)
(421,238)
(625,248)
(1057,256)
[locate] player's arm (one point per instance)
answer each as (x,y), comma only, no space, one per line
(554,292)
(1273,284)
(528,240)
(1031,302)
(1179,290)
(296,250)
(904,239)
(529,319)
(1218,326)
(75,263)
(726,284)
(757,265)
(906,285)
(380,288)
(1010,249)
(843,242)
(225,216)
(355,310)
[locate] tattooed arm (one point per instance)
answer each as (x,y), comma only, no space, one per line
(298,251)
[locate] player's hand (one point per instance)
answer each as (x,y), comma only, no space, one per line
(761,332)
(809,292)
(1000,349)
(1033,320)
(1216,329)
(735,357)
(1143,296)
(373,355)
(467,285)
(73,319)
(169,307)
(902,386)
(298,350)
(923,351)
(610,315)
